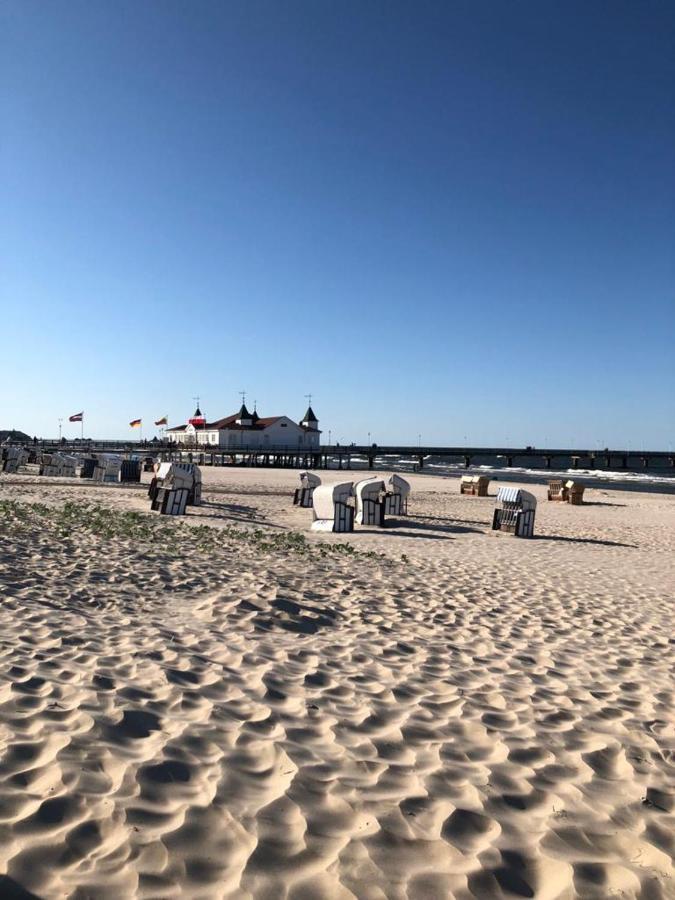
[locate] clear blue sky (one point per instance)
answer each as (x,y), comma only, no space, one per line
(453,219)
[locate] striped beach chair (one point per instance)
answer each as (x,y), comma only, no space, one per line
(515,512)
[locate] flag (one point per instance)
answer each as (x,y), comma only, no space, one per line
(163,421)
(136,423)
(76,418)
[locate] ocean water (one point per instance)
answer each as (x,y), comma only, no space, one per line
(652,480)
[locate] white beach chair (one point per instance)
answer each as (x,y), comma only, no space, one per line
(515,512)
(107,468)
(396,497)
(177,476)
(303,495)
(333,507)
(369,502)
(13,459)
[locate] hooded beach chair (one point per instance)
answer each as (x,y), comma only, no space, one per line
(303,495)
(476,485)
(515,512)
(397,490)
(557,490)
(333,507)
(369,503)
(107,469)
(575,492)
(13,459)
(177,476)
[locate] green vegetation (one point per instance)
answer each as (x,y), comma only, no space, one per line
(74,518)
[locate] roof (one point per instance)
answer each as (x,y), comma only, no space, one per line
(229,423)
(309,416)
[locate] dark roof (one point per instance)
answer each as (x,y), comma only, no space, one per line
(309,416)
(243,412)
(197,414)
(229,423)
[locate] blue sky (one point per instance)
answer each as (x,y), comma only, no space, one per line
(452,219)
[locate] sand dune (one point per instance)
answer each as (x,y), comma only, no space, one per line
(445,712)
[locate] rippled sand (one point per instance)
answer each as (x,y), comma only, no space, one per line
(446,713)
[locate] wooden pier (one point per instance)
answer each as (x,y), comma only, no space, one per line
(342,457)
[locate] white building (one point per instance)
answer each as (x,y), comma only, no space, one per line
(249,431)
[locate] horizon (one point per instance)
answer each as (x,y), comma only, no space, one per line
(448,222)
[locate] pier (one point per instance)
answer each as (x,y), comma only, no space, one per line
(343,456)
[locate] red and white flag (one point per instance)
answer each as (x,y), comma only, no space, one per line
(76,418)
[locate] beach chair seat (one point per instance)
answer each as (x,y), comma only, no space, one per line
(557,490)
(515,512)
(169,501)
(397,490)
(302,496)
(148,464)
(575,492)
(333,507)
(369,495)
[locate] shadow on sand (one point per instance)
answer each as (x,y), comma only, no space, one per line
(574,540)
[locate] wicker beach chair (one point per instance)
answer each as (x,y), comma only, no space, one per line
(107,469)
(476,485)
(369,502)
(515,512)
(13,459)
(575,492)
(333,507)
(396,497)
(178,476)
(557,490)
(302,496)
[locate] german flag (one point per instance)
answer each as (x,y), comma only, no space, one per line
(163,421)
(136,423)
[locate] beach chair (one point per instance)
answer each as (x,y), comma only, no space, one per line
(178,476)
(67,466)
(170,501)
(333,507)
(369,502)
(397,490)
(303,495)
(515,512)
(575,492)
(557,490)
(130,471)
(476,485)
(88,466)
(13,459)
(107,469)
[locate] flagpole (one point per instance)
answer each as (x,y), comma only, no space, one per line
(82,429)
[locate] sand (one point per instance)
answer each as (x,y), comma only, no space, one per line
(445,712)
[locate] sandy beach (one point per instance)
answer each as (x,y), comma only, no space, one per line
(229,706)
